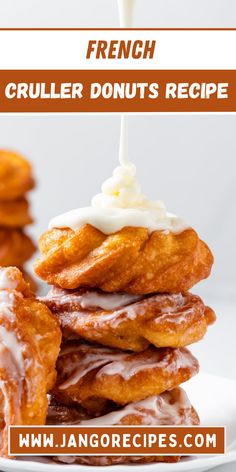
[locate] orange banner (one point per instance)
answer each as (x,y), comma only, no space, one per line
(110,91)
(118,440)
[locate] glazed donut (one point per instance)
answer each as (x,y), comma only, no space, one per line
(15,176)
(169,408)
(130,322)
(87,373)
(16,247)
(15,214)
(131,260)
(29,345)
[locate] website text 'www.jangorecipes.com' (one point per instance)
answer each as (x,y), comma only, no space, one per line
(116,440)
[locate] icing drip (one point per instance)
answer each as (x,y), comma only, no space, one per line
(11,355)
(8,338)
(113,362)
(165,409)
(134,311)
(93,359)
(5,281)
(121,203)
(172,309)
(126,13)
(107,301)
(6,304)
(94,299)
(10,341)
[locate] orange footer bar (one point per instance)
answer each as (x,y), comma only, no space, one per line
(116,440)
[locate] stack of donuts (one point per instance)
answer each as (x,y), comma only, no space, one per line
(16,247)
(126,315)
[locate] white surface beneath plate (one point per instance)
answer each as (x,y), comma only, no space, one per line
(215,400)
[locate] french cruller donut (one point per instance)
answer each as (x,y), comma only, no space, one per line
(29,345)
(169,408)
(130,322)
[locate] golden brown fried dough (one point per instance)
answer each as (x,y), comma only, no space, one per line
(30,279)
(15,214)
(88,373)
(15,176)
(15,247)
(29,345)
(163,320)
(169,408)
(131,260)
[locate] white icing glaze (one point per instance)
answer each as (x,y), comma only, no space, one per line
(114,362)
(5,281)
(6,304)
(175,312)
(93,299)
(10,341)
(161,409)
(126,13)
(93,359)
(135,311)
(11,357)
(9,338)
(111,220)
(128,369)
(121,203)
(106,301)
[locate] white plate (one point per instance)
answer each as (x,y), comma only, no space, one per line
(214,399)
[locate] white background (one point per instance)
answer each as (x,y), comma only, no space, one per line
(104,13)
(188,161)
